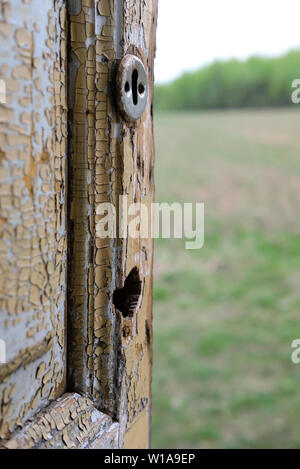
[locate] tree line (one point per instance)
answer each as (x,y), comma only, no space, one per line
(256,82)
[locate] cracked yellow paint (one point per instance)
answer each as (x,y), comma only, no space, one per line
(72,422)
(110,357)
(33,225)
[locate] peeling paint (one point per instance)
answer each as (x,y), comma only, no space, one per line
(111,363)
(33,231)
(71,422)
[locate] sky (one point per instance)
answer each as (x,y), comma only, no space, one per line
(193,33)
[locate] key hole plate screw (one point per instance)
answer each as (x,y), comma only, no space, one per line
(132,87)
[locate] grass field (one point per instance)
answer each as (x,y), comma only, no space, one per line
(225,316)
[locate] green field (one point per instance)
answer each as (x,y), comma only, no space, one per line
(225,316)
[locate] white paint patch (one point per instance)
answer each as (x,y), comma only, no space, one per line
(90,41)
(2,92)
(2,351)
(99,23)
(91,15)
(117,130)
(142,39)
(118,30)
(94,417)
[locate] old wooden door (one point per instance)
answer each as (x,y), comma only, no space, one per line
(76,370)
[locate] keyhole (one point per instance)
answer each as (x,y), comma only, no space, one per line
(135,76)
(132,88)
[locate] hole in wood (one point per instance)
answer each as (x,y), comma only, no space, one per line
(135,76)
(141,88)
(126,299)
(127,87)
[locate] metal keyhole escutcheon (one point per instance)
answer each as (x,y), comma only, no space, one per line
(132,87)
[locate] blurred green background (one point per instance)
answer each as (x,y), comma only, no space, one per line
(225,315)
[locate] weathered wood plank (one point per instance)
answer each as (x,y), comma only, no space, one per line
(109,356)
(33,241)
